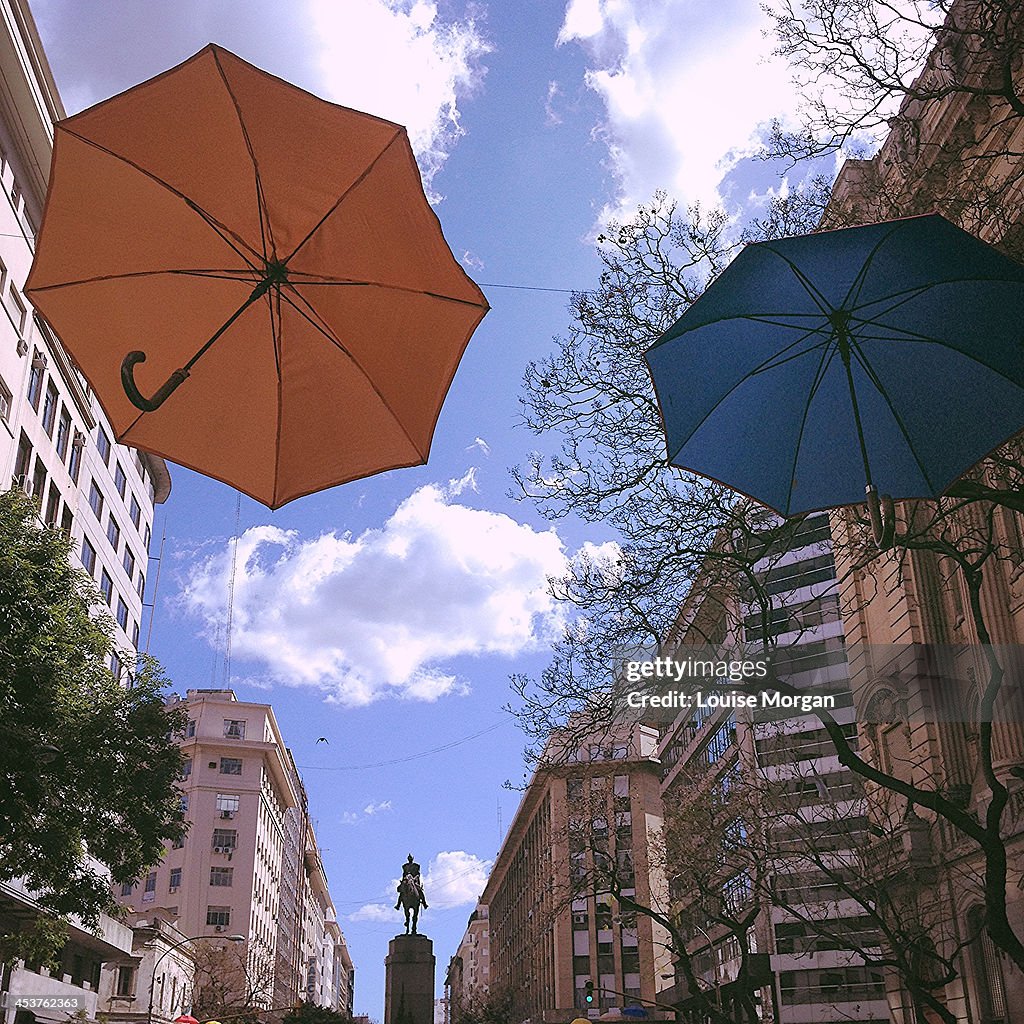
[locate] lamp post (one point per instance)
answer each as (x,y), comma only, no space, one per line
(171,949)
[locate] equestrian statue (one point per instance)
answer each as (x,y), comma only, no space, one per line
(410,894)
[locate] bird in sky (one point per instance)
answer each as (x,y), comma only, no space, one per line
(323,739)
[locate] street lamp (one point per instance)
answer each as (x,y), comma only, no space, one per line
(171,949)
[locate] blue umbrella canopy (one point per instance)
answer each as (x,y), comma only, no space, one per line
(890,355)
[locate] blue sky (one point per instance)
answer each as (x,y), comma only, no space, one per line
(387,615)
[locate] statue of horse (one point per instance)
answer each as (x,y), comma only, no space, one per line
(410,899)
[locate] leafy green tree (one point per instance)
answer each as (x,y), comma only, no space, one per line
(89,764)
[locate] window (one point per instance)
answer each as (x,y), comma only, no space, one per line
(135,635)
(227,804)
(190,729)
(234,729)
(128,562)
(88,556)
(107,588)
(127,888)
(52,505)
(186,768)
(24,459)
(147,536)
(35,378)
(39,479)
(122,614)
(120,480)
(113,532)
(225,839)
(63,433)
(103,445)
(126,978)
(95,499)
(178,844)
(75,462)
(175,880)
(183,802)
(136,512)
(218,916)
(231,766)
(6,399)
(67,521)
(50,408)
(142,585)
(151,882)
(221,876)
(115,665)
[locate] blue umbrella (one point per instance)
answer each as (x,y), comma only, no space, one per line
(889,355)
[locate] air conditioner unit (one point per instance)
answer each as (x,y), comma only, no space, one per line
(219,849)
(22,347)
(220,928)
(78,441)
(211,764)
(227,814)
(172,888)
(39,361)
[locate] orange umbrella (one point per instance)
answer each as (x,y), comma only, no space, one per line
(264,265)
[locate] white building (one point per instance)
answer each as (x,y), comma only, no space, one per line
(56,444)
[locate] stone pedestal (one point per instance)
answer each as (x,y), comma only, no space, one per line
(409,980)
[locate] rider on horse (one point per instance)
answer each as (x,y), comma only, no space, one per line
(411,878)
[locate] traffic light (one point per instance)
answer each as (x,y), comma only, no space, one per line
(589,993)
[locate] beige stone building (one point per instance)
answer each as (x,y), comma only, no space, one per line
(551,929)
(917,669)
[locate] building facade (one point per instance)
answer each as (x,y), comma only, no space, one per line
(811,953)
(56,444)
(553,929)
(227,876)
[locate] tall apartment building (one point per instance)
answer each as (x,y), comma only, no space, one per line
(550,933)
(467,979)
(55,441)
(799,971)
(56,444)
(227,876)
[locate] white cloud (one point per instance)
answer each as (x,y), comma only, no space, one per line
(455,878)
(399,59)
(371,809)
(452,879)
(380,614)
(375,912)
(686,87)
(481,444)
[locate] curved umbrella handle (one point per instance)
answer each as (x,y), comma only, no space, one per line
(135,396)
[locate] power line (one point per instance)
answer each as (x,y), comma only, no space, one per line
(398,760)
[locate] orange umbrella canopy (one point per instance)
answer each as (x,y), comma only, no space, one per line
(274,248)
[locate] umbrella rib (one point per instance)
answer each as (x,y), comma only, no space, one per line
(858,282)
(261,201)
(314,320)
(760,368)
(221,230)
(373,163)
(213,275)
(913,338)
(827,355)
(880,388)
(816,296)
(275,330)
